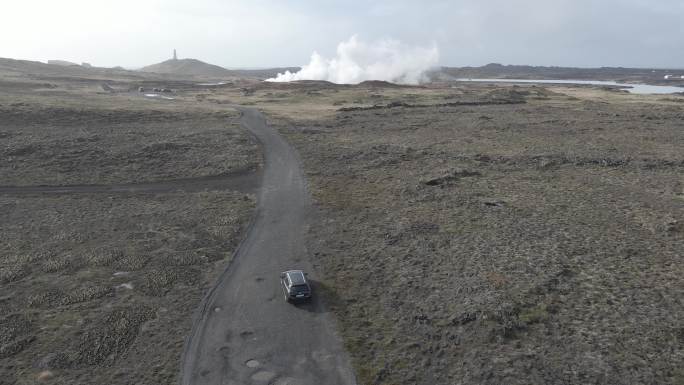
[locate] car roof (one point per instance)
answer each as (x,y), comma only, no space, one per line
(296,277)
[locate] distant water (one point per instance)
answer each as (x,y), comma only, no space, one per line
(157,96)
(632,88)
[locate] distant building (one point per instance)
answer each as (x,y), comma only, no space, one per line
(86,65)
(175,57)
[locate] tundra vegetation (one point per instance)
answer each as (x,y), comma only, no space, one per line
(463,233)
(100,287)
(499,234)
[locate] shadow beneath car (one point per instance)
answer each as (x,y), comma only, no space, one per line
(321,299)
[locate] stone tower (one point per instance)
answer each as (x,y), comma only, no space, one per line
(174,55)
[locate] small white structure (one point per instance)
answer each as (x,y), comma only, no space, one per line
(667,77)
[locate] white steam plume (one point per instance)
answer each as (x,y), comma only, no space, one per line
(357,61)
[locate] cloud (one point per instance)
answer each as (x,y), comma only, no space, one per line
(232,33)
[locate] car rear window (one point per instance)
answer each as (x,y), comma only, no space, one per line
(297,279)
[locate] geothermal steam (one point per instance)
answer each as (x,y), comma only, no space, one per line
(357,61)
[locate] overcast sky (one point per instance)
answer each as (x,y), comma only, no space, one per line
(265,33)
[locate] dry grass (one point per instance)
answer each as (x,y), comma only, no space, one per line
(56,146)
(526,243)
(126,262)
(100,288)
(533,243)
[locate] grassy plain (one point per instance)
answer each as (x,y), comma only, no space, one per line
(100,287)
(539,241)
(465,233)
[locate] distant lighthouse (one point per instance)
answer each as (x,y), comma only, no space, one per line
(174,55)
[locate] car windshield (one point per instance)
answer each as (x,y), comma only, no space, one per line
(300,288)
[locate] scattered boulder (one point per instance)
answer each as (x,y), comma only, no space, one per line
(57,360)
(494,203)
(451,176)
(395,104)
(675,226)
(45,375)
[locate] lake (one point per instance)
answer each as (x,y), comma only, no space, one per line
(632,88)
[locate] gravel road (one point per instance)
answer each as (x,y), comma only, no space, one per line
(245,332)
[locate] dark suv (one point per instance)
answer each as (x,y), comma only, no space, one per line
(295,286)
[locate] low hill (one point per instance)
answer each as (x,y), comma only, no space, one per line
(21,68)
(61,63)
(495,70)
(187,67)
(199,68)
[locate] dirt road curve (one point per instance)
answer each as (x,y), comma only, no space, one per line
(246,333)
